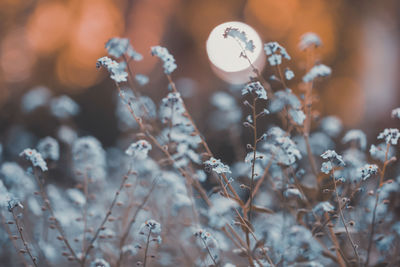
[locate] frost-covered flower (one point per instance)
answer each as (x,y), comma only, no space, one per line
(241,36)
(332,126)
(34,98)
(89,158)
(63,107)
(139,149)
(13,203)
(166,57)
(117,70)
(390,135)
(284,98)
(317,71)
(368,170)
(292,192)
(356,136)
(326,167)
(49,148)
(322,207)
(396,113)
(35,158)
(208,239)
(332,155)
(334,159)
(309,39)
(255,88)
(281,146)
(141,79)
(216,165)
(275,52)
(379,152)
(117,47)
(289,74)
(297,116)
(99,263)
(152,228)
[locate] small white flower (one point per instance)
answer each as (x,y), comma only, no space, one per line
(139,149)
(35,158)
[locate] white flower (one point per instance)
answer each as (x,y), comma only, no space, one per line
(289,74)
(396,113)
(309,39)
(139,149)
(35,158)
(256,88)
(320,70)
(166,57)
(49,148)
(217,166)
(390,136)
(240,35)
(368,170)
(357,136)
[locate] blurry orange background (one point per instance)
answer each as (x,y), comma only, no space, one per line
(56,44)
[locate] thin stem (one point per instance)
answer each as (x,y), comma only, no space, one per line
(380,181)
(126,233)
(343,220)
(10,236)
(336,244)
(146,249)
(254,156)
(85,208)
(209,252)
(19,228)
(108,213)
(56,222)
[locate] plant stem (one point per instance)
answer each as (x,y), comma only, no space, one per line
(380,181)
(343,220)
(146,249)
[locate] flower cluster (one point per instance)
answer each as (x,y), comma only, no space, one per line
(166,57)
(333,158)
(117,70)
(35,158)
(241,36)
(396,113)
(216,165)
(49,148)
(117,47)
(317,71)
(390,136)
(275,52)
(308,40)
(139,149)
(255,88)
(368,170)
(151,228)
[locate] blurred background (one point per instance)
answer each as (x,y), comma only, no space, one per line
(55,44)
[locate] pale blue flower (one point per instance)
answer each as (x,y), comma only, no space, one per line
(309,39)
(217,166)
(166,57)
(317,71)
(35,158)
(139,149)
(256,88)
(390,135)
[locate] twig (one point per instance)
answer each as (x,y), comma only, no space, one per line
(343,221)
(126,233)
(380,181)
(108,213)
(19,228)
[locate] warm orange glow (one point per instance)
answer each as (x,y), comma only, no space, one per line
(49,26)
(344,98)
(16,58)
(276,17)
